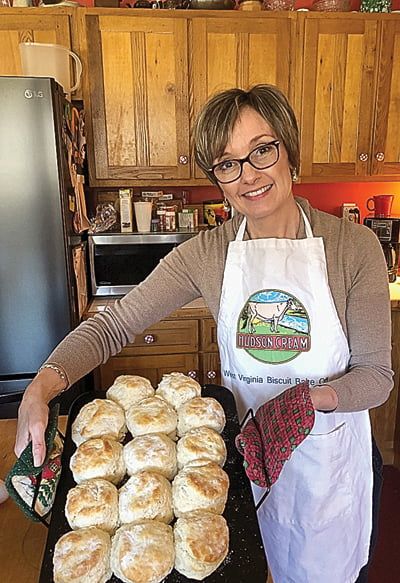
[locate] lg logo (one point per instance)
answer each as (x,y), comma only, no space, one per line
(29,94)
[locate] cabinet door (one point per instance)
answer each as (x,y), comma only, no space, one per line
(151,367)
(27,25)
(240,51)
(208,335)
(386,146)
(138,127)
(338,95)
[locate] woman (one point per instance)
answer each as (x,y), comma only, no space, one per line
(311,289)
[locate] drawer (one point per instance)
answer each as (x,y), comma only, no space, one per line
(208,335)
(168,336)
(151,367)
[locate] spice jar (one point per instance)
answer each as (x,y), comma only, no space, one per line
(170,218)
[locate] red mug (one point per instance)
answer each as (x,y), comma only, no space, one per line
(382,204)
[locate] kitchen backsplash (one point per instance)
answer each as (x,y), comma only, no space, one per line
(328,197)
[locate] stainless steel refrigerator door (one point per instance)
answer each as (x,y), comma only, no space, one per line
(34,300)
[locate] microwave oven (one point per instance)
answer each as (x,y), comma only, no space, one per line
(120,261)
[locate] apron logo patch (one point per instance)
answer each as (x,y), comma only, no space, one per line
(273,327)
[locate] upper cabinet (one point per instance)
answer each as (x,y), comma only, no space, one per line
(136,93)
(148,76)
(350,105)
(385,152)
(239,50)
(44,25)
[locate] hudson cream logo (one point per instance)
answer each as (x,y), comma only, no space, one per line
(273,327)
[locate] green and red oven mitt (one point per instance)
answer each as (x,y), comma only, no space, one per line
(34,488)
(271,435)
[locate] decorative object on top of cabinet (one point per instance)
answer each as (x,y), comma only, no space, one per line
(249,5)
(278,4)
(213,4)
(331,5)
(376,6)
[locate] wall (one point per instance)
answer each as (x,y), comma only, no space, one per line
(327,197)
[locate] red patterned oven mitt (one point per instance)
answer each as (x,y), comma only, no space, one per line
(269,438)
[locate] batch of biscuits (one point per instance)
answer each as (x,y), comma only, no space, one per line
(141,509)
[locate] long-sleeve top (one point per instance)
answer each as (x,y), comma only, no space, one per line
(357,277)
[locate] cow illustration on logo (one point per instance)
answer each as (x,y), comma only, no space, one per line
(273,327)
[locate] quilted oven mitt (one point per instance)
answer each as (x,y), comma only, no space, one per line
(278,427)
(34,488)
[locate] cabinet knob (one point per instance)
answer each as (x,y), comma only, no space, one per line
(192,374)
(363,157)
(380,156)
(183,160)
(211,374)
(149,338)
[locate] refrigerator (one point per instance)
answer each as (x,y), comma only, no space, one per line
(38,287)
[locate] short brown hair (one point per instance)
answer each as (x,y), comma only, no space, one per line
(215,122)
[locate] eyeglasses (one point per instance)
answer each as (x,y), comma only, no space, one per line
(262,157)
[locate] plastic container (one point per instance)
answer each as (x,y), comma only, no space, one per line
(50,60)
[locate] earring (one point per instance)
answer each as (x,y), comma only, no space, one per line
(294,174)
(227,206)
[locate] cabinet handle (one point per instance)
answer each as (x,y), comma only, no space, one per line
(192,374)
(380,156)
(149,338)
(363,157)
(183,160)
(211,374)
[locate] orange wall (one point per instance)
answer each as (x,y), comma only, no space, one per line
(326,197)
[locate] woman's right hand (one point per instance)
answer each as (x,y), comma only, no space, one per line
(33,413)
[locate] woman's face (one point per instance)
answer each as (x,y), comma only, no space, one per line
(257,194)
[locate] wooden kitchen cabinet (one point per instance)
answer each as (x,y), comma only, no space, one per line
(136,96)
(350,99)
(184,342)
(43,25)
(385,151)
(148,77)
(241,50)
(385,420)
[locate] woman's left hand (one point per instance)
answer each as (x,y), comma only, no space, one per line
(324,398)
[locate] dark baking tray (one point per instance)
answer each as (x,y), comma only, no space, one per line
(245,560)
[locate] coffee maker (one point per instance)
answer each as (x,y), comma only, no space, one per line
(388,232)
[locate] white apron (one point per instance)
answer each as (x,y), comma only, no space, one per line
(278,326)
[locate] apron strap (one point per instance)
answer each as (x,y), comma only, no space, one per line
(308,229)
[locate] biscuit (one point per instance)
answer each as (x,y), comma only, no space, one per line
(99,418)
(143,552)
(201,443)
(146,495)
(82,556)
(98,458)
(201,412)
(155,452)
(177,388)
(200,487)
(152,415)
(93,503)
(127,390)
(201,544)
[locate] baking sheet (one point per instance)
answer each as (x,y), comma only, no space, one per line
(245,560)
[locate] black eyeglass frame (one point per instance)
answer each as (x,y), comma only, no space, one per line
(241,161)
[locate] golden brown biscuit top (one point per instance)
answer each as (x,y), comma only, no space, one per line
(208,481)
(206,535)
